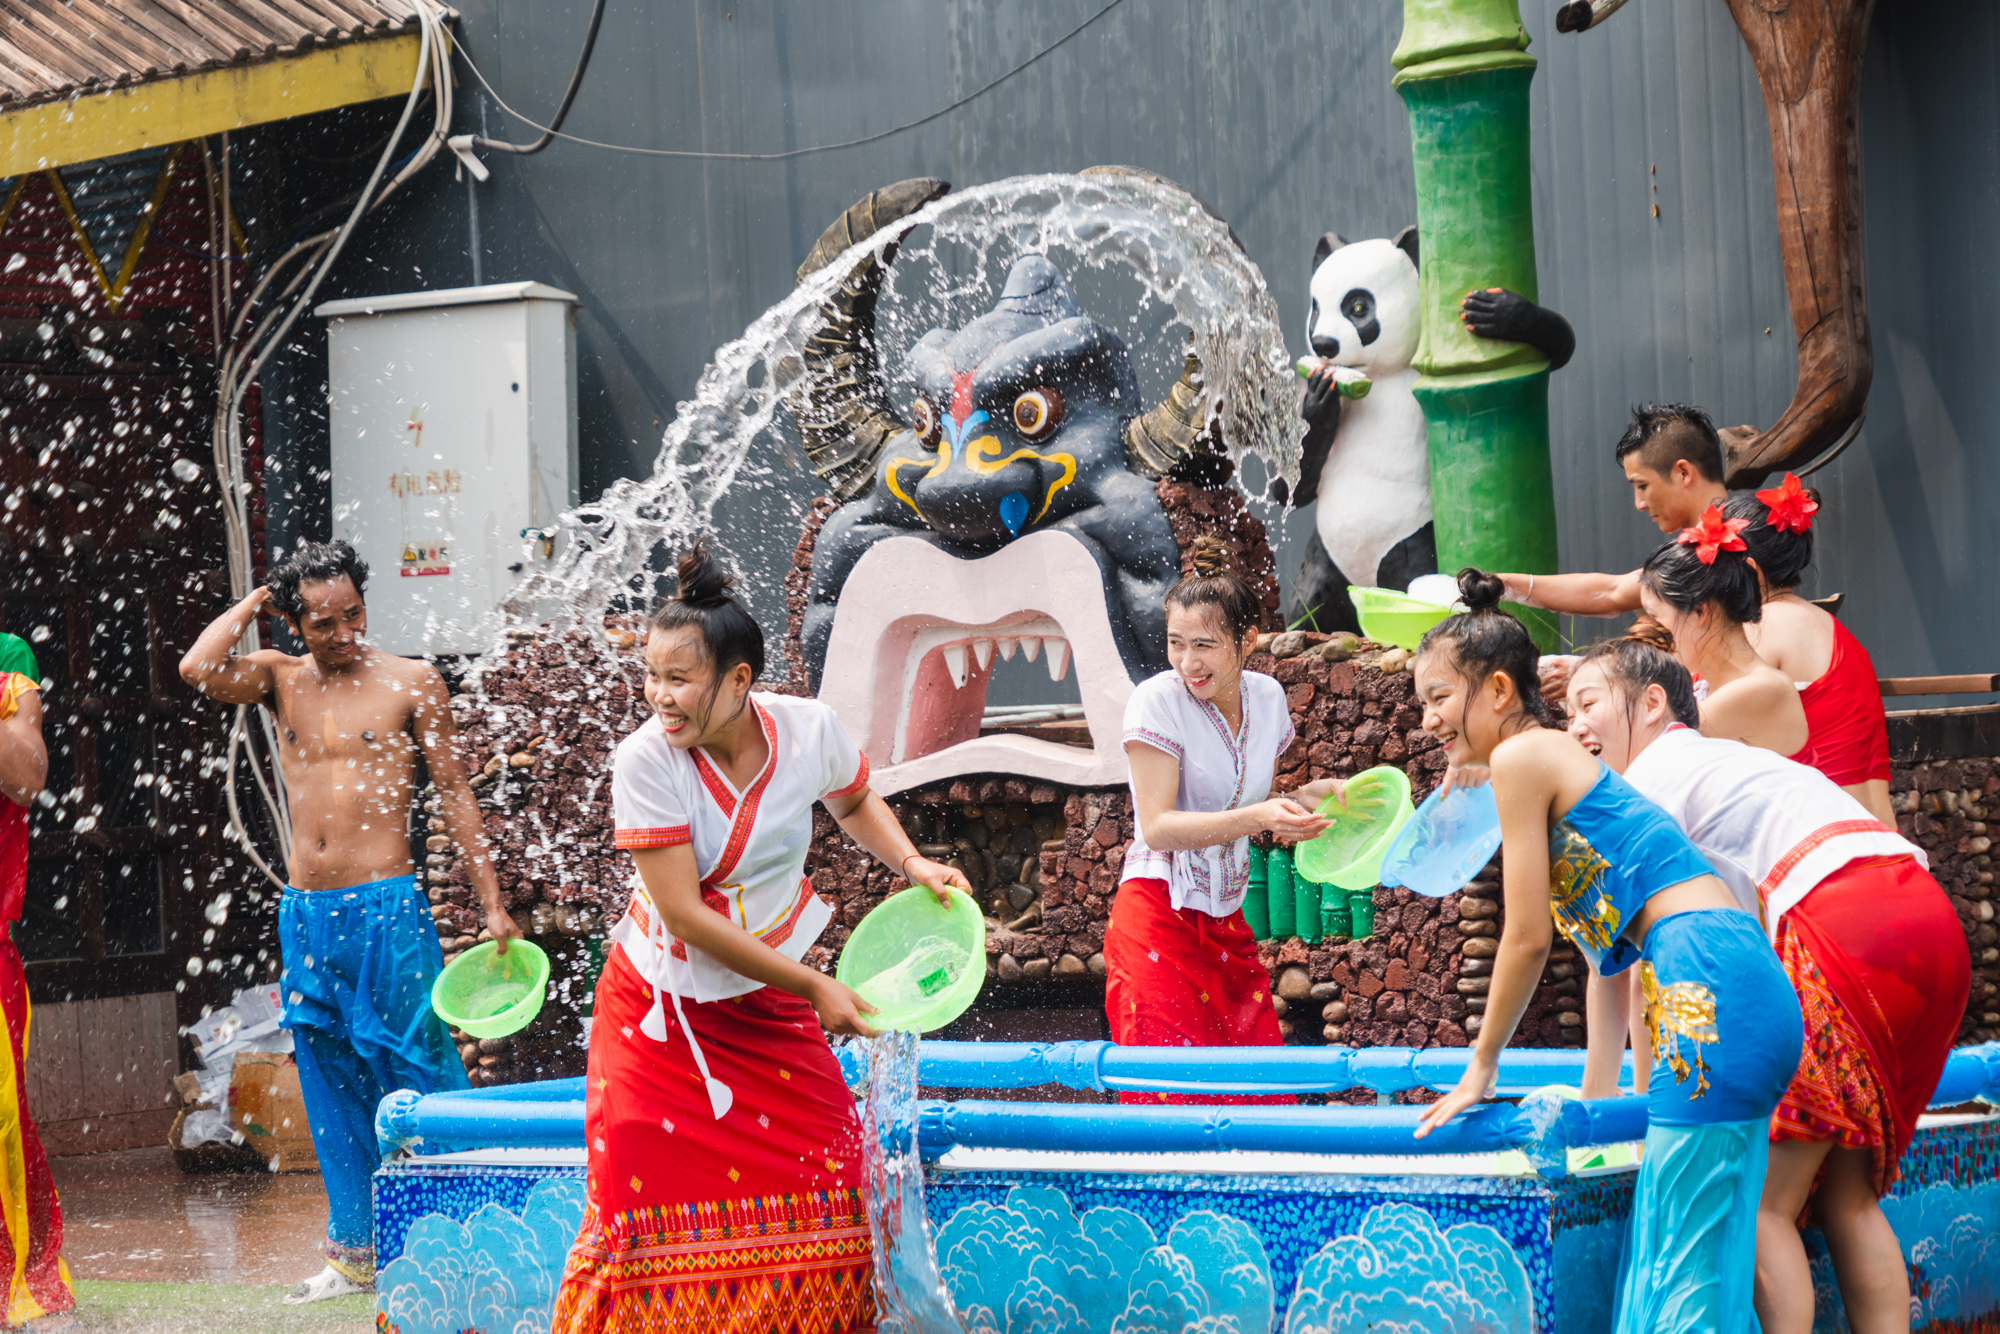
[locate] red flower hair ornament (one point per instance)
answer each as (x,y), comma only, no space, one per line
(1791,505)
(1715,533)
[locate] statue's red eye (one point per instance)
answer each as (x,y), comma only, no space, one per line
(924,420)
(1037,413)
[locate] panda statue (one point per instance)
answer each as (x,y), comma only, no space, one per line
(1366,463)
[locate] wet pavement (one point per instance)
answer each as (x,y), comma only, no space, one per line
(153,1250)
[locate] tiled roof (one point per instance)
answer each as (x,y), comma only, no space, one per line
(52,49)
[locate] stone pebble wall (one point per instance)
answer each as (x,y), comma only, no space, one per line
(1943,808)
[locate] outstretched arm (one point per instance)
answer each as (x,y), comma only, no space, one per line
(24,759)
(437,738)
(213,666)
(1156,778)
(1575,594)
(1510,317)
(869,822)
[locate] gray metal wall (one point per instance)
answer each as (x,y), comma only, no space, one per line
(1281,115)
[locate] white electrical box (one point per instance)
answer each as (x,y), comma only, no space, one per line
(454,449)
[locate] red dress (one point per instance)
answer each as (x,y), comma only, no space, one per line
(1847,731)
(1882,971)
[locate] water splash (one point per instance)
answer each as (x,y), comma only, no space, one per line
(910,1294)
(1186,267)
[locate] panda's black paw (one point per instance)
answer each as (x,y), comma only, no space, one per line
(1505,316)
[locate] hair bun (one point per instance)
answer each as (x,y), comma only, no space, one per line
(703,581)
(1651,633)
(1478,590)
(1209,556)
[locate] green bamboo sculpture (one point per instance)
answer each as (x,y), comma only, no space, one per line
(1463,70)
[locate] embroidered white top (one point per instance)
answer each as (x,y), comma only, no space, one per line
(1772,828)
(750,846)
(1219,772)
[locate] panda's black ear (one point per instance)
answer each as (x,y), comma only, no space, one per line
(1328,243)
(1406,241)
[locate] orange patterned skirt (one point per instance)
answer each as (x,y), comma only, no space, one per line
(753,1224)
(1882,971)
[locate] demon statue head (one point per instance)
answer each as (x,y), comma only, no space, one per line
(1002,501)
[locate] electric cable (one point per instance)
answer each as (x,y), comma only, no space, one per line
(462,144)
(245,357)
(562,109)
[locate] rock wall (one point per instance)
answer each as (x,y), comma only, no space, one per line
(1942,807)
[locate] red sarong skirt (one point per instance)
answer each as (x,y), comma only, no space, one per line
(747,1225)
(1882,971)
(1181,978)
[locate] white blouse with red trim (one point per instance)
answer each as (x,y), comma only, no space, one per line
(750,846)
(1772,828)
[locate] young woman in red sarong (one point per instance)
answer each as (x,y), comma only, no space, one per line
(724,1185)
(1203,740)
(1866,936)
(31,1229)
(1848,731)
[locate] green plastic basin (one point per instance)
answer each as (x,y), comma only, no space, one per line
(489,995)
(919,963)
(1389,617)
(1350,853)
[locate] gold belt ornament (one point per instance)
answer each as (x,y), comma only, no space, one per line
(1680,1010)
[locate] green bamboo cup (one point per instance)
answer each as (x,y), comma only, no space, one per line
(1361,910)
(1283,893)
(1257,898)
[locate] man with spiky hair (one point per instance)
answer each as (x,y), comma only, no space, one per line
(359,944)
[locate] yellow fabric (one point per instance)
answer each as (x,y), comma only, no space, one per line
(21,1304)
(12,689)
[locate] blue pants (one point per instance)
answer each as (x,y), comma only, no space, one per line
(1727,1034)
(359,963)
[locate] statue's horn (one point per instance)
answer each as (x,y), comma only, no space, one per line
(844,416)
(1172,434)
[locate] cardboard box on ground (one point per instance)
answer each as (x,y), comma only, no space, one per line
(242,1111)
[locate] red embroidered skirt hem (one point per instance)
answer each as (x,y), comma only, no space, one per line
(743,1225)
(1181,978)
(1882,971)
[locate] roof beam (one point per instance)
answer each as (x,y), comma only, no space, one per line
(192,106)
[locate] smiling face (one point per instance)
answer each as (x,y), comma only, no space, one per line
(681,688)
(1610,725)
(335,624)
(1204,655)
(1468,717)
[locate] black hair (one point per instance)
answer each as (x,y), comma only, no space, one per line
(1663,434)
(313,563)
(1483,639)
(1210,582)
(1782,555)
(1644,656)
(728,634)
(1677,577)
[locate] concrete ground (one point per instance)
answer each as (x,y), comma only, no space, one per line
(156,1252)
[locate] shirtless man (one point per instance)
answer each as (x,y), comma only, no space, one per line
(359,944)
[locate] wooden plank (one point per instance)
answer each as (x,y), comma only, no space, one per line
(101,1047)
(163,1053)
(101,1134)
(55,1048)
(1977,683)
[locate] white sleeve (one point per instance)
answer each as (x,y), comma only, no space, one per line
(843,768)
(647,808)
(1149,718)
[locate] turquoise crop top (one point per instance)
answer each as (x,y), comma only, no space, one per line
(1611,853)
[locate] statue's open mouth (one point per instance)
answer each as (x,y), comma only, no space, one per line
(914,645)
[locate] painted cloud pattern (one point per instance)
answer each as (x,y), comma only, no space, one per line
(1953,1234)
(496,1273)
(1401,1275)
(1031,1266)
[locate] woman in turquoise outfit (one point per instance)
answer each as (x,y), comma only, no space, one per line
(1621,880)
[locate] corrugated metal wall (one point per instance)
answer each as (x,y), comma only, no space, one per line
(1281,115)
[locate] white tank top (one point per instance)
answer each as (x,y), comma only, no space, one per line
(1773,829)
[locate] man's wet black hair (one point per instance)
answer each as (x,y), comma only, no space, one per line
(728,634)
(1483,639)
(1678,578)
(1662,434)
(313,563)
(1781,554)
(1644,656)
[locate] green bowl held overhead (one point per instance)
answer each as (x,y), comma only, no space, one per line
(1389,617)
(918,962)
(487,994)
(1350,853)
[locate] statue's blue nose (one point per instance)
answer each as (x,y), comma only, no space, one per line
(1014,511)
